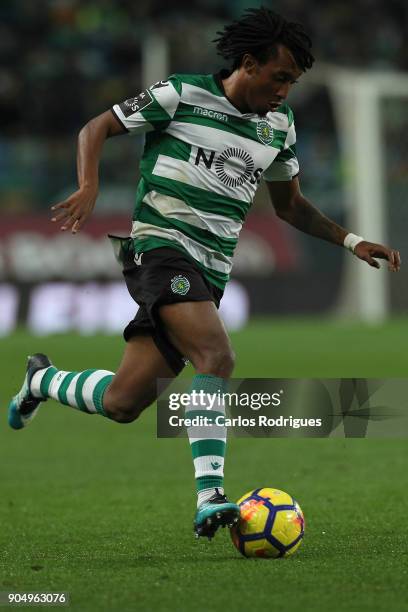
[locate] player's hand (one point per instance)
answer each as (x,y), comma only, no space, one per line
(75,210)
(368,250)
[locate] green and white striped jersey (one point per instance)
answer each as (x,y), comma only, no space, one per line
(202,163)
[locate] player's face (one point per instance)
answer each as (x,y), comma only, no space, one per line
(268,84)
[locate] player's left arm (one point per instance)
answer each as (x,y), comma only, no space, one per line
(291,206)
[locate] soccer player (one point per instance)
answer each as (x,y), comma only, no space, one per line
(210,139)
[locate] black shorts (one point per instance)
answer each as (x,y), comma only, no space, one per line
(157,277)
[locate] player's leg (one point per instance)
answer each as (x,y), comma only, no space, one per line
(197,331)
(120,397)
(134,386)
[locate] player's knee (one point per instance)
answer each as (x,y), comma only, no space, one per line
(122,415)
(218,362)
(122,410)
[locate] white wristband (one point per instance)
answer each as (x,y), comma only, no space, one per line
(351,241)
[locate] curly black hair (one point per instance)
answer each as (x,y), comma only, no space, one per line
(258,32)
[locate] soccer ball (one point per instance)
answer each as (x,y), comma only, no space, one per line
(271,524)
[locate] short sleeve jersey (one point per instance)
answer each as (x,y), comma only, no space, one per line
(202,163)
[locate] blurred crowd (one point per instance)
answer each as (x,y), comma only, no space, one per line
(64,61)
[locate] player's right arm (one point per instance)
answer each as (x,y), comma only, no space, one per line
(152,109)
(75,210)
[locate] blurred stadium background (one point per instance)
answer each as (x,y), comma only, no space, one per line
(64,61)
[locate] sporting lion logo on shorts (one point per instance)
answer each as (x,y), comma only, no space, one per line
(180,284)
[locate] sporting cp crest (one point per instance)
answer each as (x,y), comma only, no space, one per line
(264,131)
(180,284)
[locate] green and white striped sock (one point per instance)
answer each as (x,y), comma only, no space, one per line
(209,451)
(81,390)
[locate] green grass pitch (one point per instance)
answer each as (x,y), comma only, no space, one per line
(104,511)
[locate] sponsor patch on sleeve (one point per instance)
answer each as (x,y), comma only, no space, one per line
(134,105)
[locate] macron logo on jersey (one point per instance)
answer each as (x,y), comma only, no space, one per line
(199,110)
